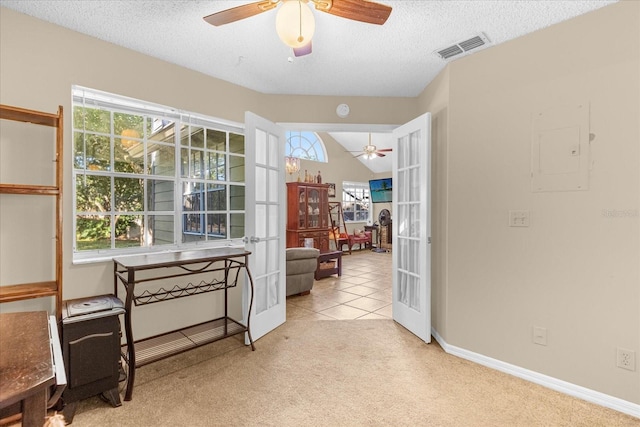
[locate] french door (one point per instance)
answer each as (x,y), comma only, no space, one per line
(265,199)
(411,223)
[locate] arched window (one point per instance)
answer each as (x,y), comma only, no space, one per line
(305,145)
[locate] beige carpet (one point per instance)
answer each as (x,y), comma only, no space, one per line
(337,373)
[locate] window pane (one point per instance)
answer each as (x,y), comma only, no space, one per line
(196,164)
(128,155)
(161,160)
(91,119)
(93,193)
(217,226)
(128,125)
(305,145)
(192,196)
(78,150)
(93,232)
(236,197)
(236,226)
(236,143)
(161,130)
(216,166)
(355,201)
(160,195)
(129,231)
(97,151)
(236,169)
(216,140)
(161,229)
(184,162)
(216,197)
(128,194)
(193,226)
(197,137)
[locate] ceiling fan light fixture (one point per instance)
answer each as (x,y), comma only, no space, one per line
(295,23)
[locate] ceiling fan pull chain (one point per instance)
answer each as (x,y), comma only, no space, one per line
(300,38)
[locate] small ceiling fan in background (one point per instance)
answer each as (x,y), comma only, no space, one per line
(295,23)
(370,151)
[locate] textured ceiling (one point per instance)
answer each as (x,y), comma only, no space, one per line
(349,58)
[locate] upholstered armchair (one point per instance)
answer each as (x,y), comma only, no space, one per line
(301,266)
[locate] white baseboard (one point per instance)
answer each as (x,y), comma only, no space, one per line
(570,389)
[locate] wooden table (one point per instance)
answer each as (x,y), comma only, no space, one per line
(329,263)
(30,364)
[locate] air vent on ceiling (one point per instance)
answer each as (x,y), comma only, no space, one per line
(463,47)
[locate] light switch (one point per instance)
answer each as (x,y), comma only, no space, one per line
(518,218)
(539,335)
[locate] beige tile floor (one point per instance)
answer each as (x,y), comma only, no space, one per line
(362,292)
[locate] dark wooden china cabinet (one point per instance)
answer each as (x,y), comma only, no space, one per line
(307,215)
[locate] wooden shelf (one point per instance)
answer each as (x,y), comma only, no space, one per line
(18,114)
(27,290)
(52,288)
(45,190)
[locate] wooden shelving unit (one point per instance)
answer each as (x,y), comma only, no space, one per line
(50,288)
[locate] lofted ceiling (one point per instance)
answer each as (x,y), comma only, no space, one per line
(350,58)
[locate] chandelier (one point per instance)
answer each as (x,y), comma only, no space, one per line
(291,165)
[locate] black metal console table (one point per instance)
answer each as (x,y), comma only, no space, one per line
(225,264)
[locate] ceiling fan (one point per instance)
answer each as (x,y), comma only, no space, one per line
(295,23)
(370,151)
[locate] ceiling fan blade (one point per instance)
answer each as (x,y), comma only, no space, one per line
(361,154)
(240,12)
(302,51)
(385,149)
(357,10)
(379,154)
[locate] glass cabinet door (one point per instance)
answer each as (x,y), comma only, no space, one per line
(302,208)
(324,204)
(313,207)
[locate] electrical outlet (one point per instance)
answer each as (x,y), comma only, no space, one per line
(518,218)
(626,359)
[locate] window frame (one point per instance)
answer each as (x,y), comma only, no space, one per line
(90,98)
(301,151)
(355,187)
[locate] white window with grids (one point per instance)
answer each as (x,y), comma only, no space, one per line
(355,201)
(148,177)
(305,145)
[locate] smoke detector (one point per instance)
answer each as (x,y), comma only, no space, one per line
(480,41)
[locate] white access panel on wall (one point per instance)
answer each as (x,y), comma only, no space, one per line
(560,149)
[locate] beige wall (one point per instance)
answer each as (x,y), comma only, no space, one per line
(40,62)
(573,271)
